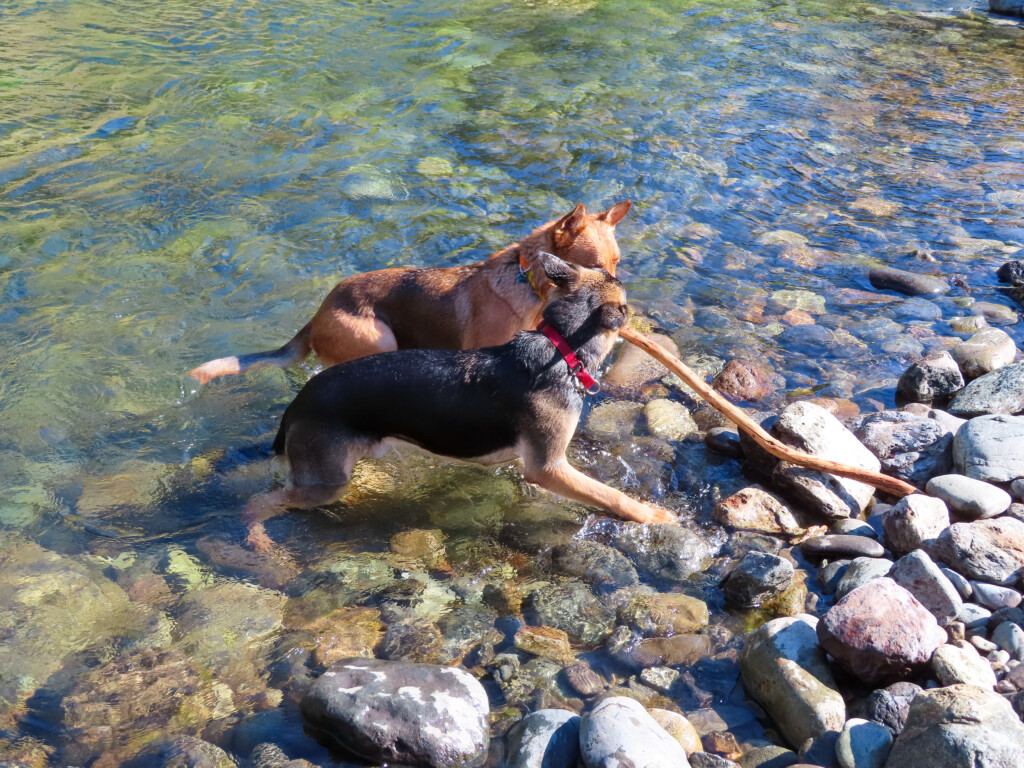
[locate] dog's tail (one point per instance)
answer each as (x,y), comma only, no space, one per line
(292,352)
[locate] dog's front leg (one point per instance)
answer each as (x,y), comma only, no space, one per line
(563,479)
(258,510)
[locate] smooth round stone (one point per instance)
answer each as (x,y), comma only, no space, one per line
(966,324)
(543,738)
(986,550)
(995,597)
(907,283)
(669,419)
(584,680)
(861,571)
(996,314)
(679,728)
(619,731)
(744,380)
(917,309)
(962,585)
(724,440)
(1010,637)
(974,616)
(863,744)
(834,546)
(830,575)
(852,527)
(962,664)
(914,521)
(986,351)
(967,497)
(772,756)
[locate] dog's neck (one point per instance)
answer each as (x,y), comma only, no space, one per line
(527,251)
(581,330)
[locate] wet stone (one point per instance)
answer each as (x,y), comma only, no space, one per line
(413,714)
(1012,272)
(907,283)
(984,352)
(659,678)
(584,680)
(547,737)
(999,392)
(547,642)
(967,324)
(634,370)
(412,640)
(889,706)
(756,579)
(670,552)
(663,614)
(861,571)
(991,448)
(181,752)
(573,608)
(935,377)
(599,565)
(669,420)
(619,732)
(969,498)
(996,314)
(744,380)
(639,653)
(724,440)
(910,447)
(755,509)
(840,546)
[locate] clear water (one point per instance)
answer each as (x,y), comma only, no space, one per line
(181,181)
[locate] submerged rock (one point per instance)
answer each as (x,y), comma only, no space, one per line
(619,732)
(669,420)
(413,714)
(907,283)
(663,614)
(663,551)
(744,380)
(182,752)
(599,565)
(573,608)
(986,351)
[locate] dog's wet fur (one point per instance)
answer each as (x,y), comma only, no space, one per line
(491,405)
(478,305)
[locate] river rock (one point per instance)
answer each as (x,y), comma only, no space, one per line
(860,632)
(1007,8)
(920,576)
(984,352)
(830,575)
(638,652)
(1017,488)
(545,738)
(969,498)
(914,521)
(679,728)
(833,546)
(936,377)
(181,752)
(986,550)
(1012,272)
(599,565)
(998,392)
(890,706)
(994,597)
(756,579)
(961,664)
(907,283)
(959,726)
(744,380)
(772,756)
(910,447)
(574,609)
(635,370)
(991,448)
(663,614)
(785,671)
(663,551)
(546,642)
(974,617)
(848,525)
(619,732)
(995,314)
(724,440)
(1010,637)
(669,420)
(963,586)
(711,760)
(861,571)
(755,509)
(863,744)
(814,430)
(413,714)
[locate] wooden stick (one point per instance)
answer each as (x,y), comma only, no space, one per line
(775,447)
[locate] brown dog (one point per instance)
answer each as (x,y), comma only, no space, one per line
(521,400)
(482,304)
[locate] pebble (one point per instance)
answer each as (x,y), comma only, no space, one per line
(974,617)
(679,728)
(620,732)
(999,659)
(994,597)
(889,706)
(1017,488)
(969,498)
(724,440)
(915,521)
(546,642)
(863,744)
(920,576)
(853,528)
(962,664)
(841,545)
(986,351)
(859,633)
(907,283)
(1010,637)
(998,392)
(756,579)
(861,571)
(584,680)
(986,550)
(936,377)
(983,645)
(755,509)
(546,737)
(909,446)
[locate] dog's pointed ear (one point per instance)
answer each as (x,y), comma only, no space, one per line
(561,273)
(616,213)
(568,228)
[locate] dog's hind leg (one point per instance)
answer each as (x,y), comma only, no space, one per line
(292,352)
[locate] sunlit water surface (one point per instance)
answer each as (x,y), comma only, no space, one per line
(184,180)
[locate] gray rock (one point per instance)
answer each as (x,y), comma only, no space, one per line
(724,440)
(1012,272)
(889,706)
(1007,8)
(987,550)
(969,498)
(785,671)
(821,750)
(961,664)
(974,616)
(830,575)
(670,552)
(907,283)
(946,420)
(851,527)
(599,565)
(861,571)
(936,377)
(619,733)
(994,597)
(572,608)
(772,756)
(861,635)
(959,726)
(998,392)
(1017,488)
(984,352)
(840,545)
(542,739)
(413,714)
(991,448)
(921,577)
(995,314)
(812,429)
(1010,637)
(756,579)
(755,509)
(863,744)
(1016,511)
(710,760)
(962,585)
(911,447)
(914,521)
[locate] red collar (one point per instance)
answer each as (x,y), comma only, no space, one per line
(590,384)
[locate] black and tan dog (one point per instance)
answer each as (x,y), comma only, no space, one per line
(520,400)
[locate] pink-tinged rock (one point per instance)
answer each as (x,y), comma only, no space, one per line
(744,380)
(986,550)
(880,632)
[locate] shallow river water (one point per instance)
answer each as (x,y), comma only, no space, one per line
(184,180)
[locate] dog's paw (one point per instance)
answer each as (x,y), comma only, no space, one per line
(259,541)
(661,515)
